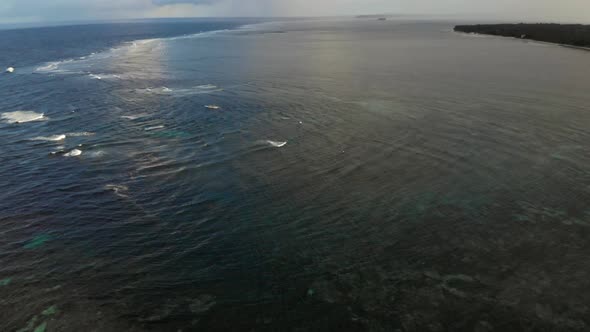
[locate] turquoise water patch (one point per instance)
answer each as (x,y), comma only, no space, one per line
(5,281)
(29,326)
(557,156)
(41,328)
(37,241)
(50,311)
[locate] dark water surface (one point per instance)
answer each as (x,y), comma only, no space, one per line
(357,175)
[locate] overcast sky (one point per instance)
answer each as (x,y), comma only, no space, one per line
(15,11)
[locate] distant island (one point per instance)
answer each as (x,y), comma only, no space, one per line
(371,16)
(566,34)
(379,17)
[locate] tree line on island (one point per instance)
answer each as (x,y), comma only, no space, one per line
(566,34)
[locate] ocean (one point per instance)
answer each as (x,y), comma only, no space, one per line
(300,175)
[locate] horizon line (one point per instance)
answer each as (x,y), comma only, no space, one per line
(458,17)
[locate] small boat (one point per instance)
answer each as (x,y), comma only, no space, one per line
(212,107)
(10,70)
(382,19)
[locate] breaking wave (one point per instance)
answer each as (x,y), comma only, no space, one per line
(74,65)
(181,92)
(22,116)
(154,128)
(73,153)
(276,144)
(105,76)
(52,138)
(117,189)
(134,117)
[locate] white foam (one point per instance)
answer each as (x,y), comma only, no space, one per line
(134,117)
(154,128)
(181,92)
(119,190)
(196,90)
(474,34)
(80,134)
(260,26)
(194,35)
(212,107)
(10,70)
(104,76)
(52,138)
(54,66)
(22,116)
(160,90)
(276,144)
(73,153)
(59,67)
(48,67)
(206,87)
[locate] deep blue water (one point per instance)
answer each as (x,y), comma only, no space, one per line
(320,175)
(26,47)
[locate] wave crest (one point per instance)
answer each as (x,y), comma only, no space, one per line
(22,116)
(276,144)
(52,138)
(73,153)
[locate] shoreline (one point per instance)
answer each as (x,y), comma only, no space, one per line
(581,48)
(575,36)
